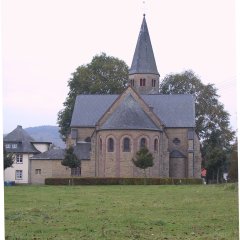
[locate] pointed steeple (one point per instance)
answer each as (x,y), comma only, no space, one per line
(143,60)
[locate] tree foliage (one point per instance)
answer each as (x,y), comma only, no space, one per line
(212,121)
(210,113)
(104,75)
(70,159)
(143,160)
(233,168)
(8,159)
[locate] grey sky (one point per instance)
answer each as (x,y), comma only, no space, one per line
(44,41)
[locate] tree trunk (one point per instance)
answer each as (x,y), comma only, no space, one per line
(218,176)
(145,177)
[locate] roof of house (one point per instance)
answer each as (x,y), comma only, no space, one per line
(23,140)
(127,116)
(82,150)
(173,110)
(143,59)
(52,154)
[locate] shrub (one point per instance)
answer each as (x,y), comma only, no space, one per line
(120,181)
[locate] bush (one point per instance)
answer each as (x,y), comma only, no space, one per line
(120,181)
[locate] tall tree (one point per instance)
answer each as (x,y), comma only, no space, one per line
(233,168)
(212,121)
(143,160)
(8,159)
(104,75)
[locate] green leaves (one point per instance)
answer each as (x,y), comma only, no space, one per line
(212,121)
(8,159)
(144,159)
(104,75)
(70,159)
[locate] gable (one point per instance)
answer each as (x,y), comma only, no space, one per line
(129,115)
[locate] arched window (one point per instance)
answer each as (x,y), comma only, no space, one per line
(132,82)
(110,145)
(100,144)
(126,145)
(156,145)
(153,82)
(143,143)
(142,81)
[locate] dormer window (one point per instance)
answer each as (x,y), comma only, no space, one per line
(14,145)
(142,82)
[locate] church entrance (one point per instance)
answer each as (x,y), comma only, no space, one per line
(177,168)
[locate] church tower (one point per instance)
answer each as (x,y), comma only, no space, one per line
(143,74)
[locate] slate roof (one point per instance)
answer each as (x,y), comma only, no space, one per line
(143,58)
(52,154)
(89,108)
(22,139)
(174,110)
(82,150)
(129,115)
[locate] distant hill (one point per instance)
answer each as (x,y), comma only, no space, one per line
(46,134)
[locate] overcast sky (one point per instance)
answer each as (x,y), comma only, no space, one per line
(44,41)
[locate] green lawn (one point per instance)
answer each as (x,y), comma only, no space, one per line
(121,212)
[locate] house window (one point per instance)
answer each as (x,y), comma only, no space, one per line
(19,174)
(19,158)
(37,171)
(76,171)
(14,145)
(126,145)
(142,82)
(110,145)
(156,145)
(132,82)
(153,82)
(143,143)
(7,145)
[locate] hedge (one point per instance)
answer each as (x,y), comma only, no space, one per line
(120,181)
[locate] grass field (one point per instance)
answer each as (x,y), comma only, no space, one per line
(121,212)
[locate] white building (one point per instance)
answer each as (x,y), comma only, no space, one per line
(22,146)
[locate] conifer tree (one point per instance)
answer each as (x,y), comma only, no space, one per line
(144,159)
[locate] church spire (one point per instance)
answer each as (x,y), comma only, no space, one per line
(143,59)
(143,74)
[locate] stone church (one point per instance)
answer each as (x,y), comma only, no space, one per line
(108,130)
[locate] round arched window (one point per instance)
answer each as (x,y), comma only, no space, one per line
(156,145)
(110,145)
(143,143)
(126,145)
